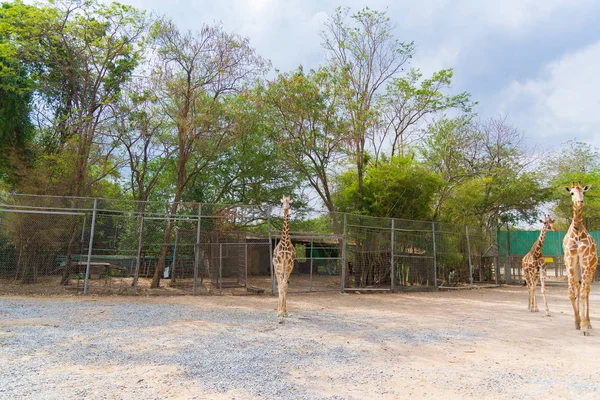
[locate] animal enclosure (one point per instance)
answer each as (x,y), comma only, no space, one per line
(65,244)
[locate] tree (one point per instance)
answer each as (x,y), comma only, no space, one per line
(16,92)
(400,187)
(81,56)
(574,161)
(408,101)
(77,55)
(306,125)
(505,187)
(199,70)
(145,138)
(364,56)
(252,169)
(450,149)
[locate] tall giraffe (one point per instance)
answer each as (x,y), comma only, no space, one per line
(580,256)
(283,260)
(534,266)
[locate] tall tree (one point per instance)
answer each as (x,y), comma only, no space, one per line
(506,188)
(145,137)
(78,54)
(450,149)
(200,71)
(409,101)
(252,169)
(365,55)
(574,161)
(308,128)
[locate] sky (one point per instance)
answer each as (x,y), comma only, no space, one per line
(535,62)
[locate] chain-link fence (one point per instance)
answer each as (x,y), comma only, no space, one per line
(64,244)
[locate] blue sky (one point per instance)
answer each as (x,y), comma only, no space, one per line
(536,61)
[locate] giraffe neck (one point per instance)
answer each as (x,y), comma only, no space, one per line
(285,234)
(537,248)
(577,217)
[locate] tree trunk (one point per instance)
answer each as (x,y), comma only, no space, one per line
(66,276)
(160,269)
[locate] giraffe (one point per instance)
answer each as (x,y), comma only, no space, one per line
(534,266)
(283,261)
(580,256)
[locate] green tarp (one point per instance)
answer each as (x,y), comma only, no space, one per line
(521,242)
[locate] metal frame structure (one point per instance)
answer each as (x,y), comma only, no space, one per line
(135,231)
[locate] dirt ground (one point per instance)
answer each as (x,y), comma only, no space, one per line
(461,344)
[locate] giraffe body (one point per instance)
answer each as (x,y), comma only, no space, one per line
(581,260)
(534,267)
(284,255)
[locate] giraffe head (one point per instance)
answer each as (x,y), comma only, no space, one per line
(548,223)
(577,192)
(286,200)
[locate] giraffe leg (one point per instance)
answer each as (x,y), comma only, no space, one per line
(573,279)
(585,301)
(285,312)
(587,309)
(574,297)
(280,299)
(543,282)
(280,305)
(528,294)
(534,307)
(584,295)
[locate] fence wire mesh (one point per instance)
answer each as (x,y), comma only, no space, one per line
(65,244)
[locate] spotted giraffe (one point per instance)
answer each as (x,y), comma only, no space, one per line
(283,261)
(534,266)
(581,255)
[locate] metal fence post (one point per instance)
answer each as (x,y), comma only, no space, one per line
(435,284)
(270,250)
(197,248)
(139,254)
(221,268)
(494,241)
(469,252)
(89,255)
(393,269)
(310,276)
(508,260)
(172,271)
(344,239)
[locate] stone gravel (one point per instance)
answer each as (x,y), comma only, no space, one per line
(253,354)
(56,349)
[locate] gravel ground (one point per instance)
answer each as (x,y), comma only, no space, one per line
(463,344)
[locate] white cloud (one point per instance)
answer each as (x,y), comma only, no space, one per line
(430,60)
(515,14)
(563,102)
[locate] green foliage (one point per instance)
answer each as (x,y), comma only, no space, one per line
(399,188)
(197,126)
(410,99)
(303,115)
(488,179)
(251,170)
(575,161)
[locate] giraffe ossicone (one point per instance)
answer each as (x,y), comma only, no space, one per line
(581,257)
(534,266)
(284,256)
